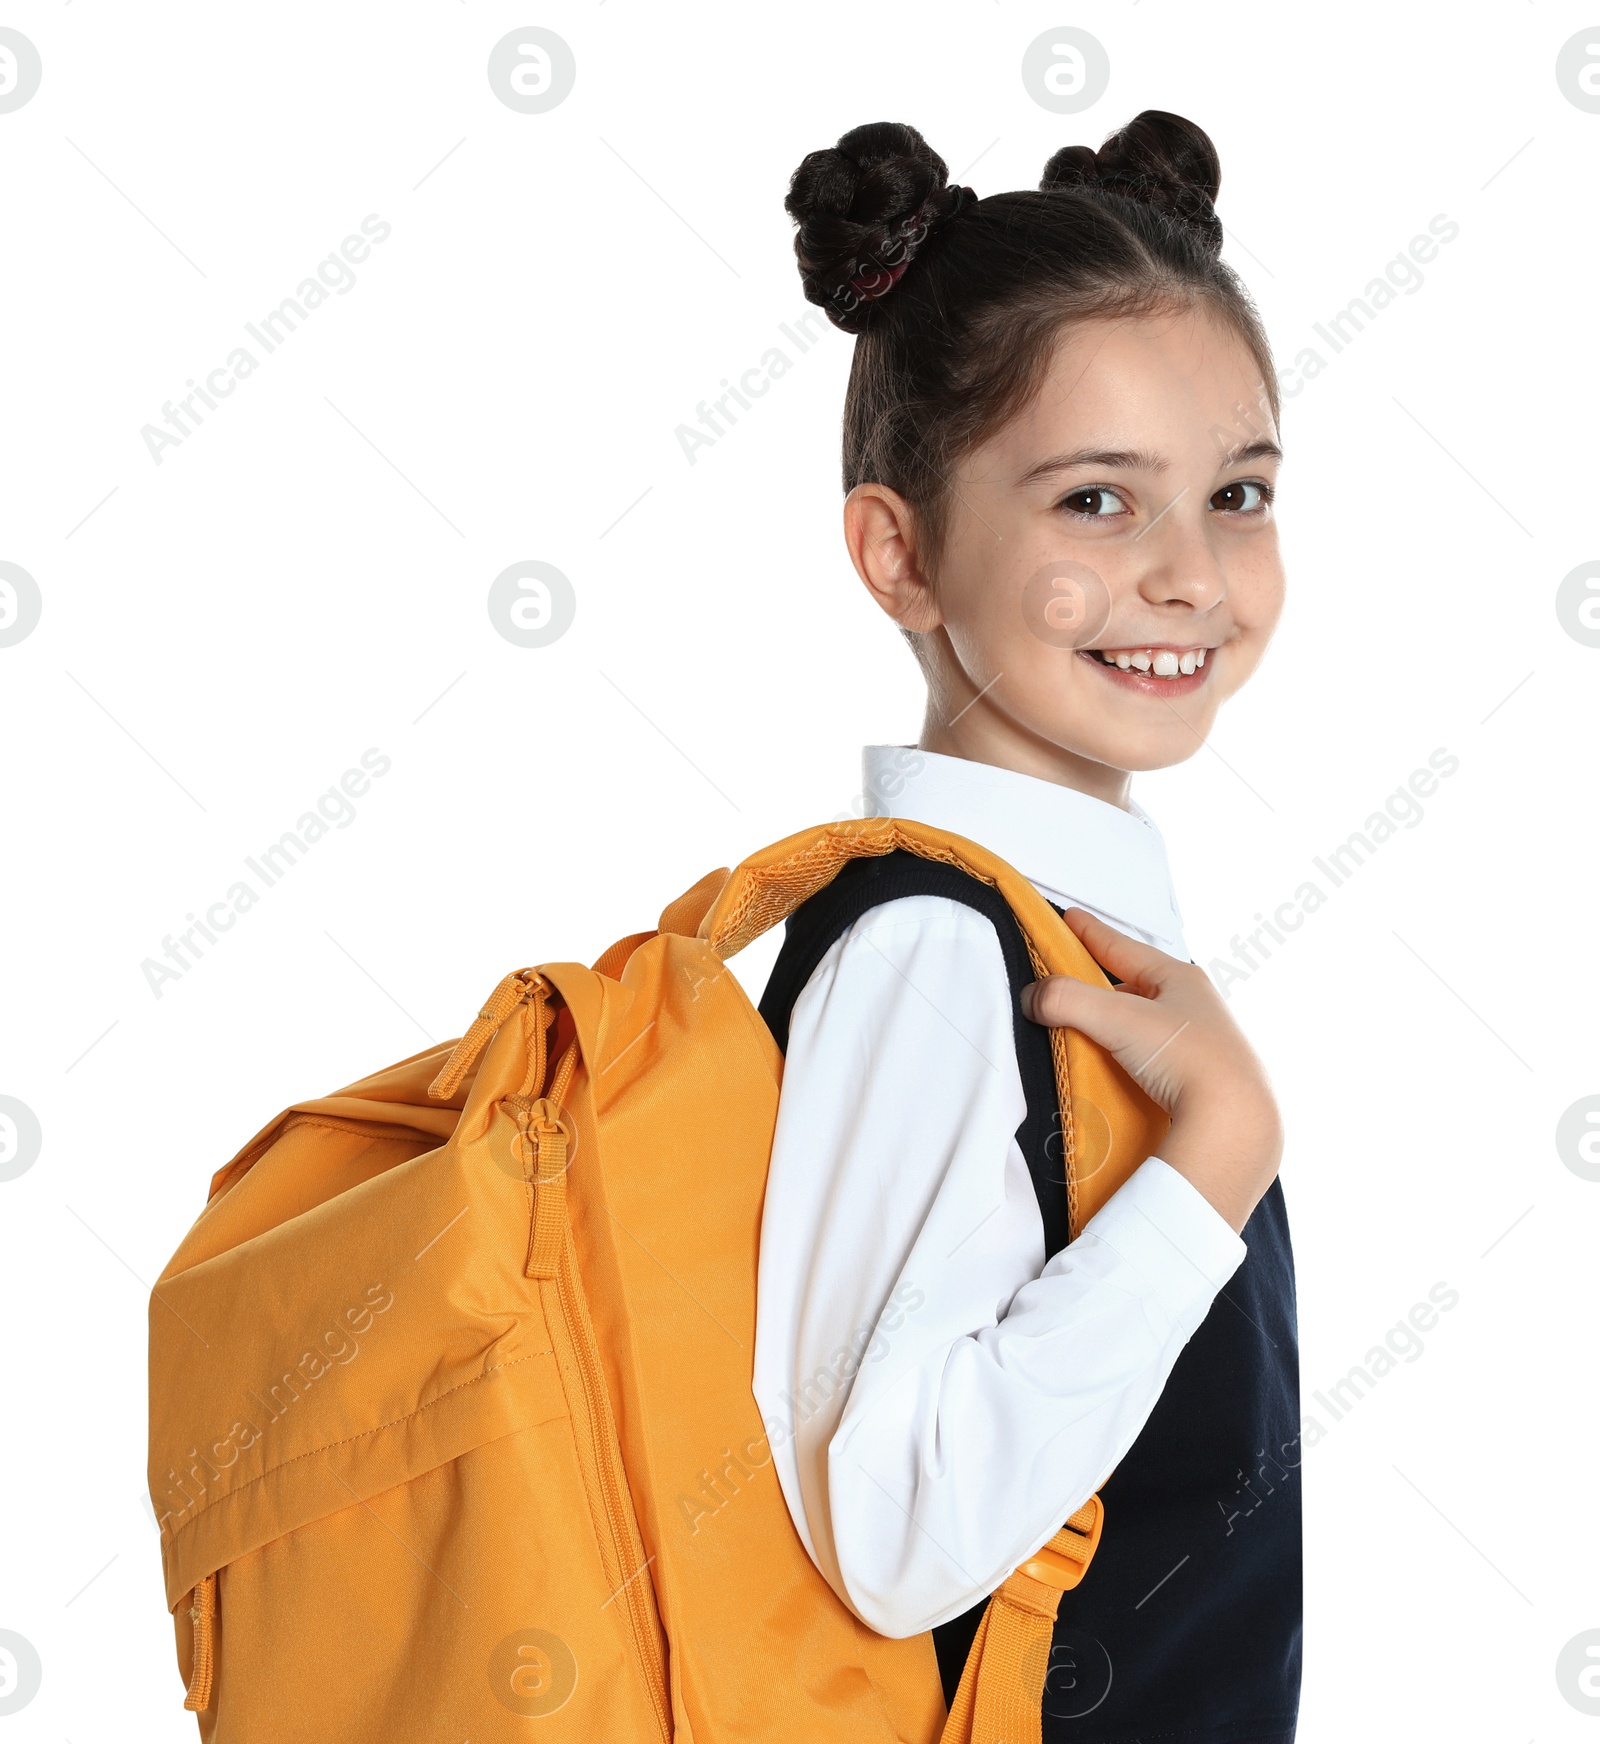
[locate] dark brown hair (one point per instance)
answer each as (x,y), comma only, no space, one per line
(957,302)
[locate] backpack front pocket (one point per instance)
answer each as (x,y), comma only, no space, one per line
(457,1599)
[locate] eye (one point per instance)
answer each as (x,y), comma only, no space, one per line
(1245,496)
(1093,502)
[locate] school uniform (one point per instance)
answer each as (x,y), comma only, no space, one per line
(944,1379)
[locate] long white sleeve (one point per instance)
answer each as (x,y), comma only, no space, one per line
(937,1398)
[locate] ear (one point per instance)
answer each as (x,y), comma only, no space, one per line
(880,532)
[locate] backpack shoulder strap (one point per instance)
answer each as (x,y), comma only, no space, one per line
(864,884)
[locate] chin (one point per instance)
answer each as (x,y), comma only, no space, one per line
(1167,758)
(1142,755)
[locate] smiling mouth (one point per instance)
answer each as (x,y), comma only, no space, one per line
(1167,665)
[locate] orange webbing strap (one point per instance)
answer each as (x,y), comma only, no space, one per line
(614,958)
(550,1132)
(684,913)
(202,1603)
(1001,1693)
(513,989)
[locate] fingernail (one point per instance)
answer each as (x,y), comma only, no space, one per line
(1027,1000)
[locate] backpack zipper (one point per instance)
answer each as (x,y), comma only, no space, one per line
(551,1260)
(636,1592)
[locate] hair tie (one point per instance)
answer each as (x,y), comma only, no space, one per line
(876,275)
(1180,200)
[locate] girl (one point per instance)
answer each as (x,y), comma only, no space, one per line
(1060,453)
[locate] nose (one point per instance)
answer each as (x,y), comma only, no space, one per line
(1179,565)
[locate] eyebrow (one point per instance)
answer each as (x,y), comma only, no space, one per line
(1126,459)
(1260,449)
(1137,460)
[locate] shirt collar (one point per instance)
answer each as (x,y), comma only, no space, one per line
(1075,850)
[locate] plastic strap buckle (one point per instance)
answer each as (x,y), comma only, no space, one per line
(1064,1561)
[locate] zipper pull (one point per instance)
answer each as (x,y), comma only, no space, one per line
(514,990)
(548,1130)
(202,1602)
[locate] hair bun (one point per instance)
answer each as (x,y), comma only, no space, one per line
(1159,159)
(864,207)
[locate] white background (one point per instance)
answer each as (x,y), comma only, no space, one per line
(305,576)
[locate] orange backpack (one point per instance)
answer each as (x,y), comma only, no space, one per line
(451,1422)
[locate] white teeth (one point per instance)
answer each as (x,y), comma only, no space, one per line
(1162,663)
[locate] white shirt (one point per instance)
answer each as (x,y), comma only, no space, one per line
(938,1399)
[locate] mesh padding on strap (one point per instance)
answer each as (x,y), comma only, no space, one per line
(759,896)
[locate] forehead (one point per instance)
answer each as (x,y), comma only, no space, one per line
(1168,382)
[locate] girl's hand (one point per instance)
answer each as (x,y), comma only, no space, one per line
(1170,1030)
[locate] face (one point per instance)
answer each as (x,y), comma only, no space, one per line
(1110,571)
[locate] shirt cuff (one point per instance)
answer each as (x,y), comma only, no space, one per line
(1174,1237)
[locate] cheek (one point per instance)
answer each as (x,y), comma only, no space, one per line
(1030,610)
(1256,596)
(1257,589)
(1036,684)
(982,612)
(992,550)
